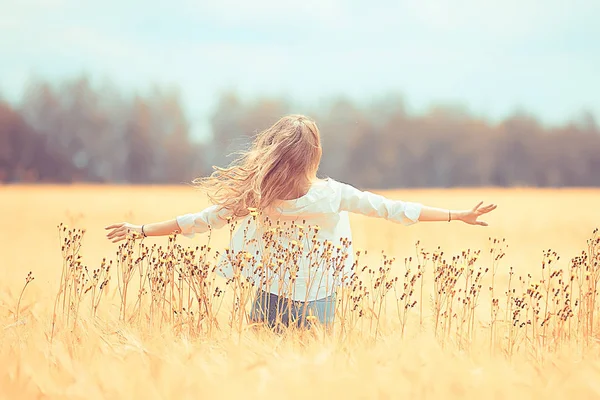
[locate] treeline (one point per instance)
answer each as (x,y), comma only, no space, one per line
(78,132)
(96,135)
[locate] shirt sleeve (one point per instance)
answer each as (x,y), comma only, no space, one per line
(200,222)
(374,205)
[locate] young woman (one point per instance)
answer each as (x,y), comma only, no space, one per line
(277,179)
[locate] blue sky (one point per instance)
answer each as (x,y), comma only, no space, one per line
(492,57)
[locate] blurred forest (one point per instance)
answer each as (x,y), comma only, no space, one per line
(77,132)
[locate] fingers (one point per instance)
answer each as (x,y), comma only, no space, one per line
(114,226)
(118,235)
(118,239)
(488,209)
(478,210)
(120,231)
(477,206)
(116,232)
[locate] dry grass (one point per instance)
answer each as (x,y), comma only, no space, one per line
(101,350)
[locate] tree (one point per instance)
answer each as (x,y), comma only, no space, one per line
(24,156)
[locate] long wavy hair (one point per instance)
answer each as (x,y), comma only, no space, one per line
(280,164)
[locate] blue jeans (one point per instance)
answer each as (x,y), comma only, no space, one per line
(276,310)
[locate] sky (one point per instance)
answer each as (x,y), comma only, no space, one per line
(490,57)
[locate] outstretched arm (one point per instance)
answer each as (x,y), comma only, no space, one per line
(119,231)
(188,225)
(468,216)
(407,213)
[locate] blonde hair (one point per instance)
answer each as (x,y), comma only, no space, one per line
(281,162)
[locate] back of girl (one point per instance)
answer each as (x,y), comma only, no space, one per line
(293,239)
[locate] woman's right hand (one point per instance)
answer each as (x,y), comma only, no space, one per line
(118,232)
(471,216)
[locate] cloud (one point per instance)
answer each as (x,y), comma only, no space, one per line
(270,12)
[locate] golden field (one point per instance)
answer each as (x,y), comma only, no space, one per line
(104,357)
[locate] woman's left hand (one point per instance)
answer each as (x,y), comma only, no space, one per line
(471,216)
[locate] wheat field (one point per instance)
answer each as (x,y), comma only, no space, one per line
(99,354)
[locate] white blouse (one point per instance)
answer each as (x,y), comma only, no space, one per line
(326,206)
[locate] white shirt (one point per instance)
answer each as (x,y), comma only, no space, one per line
(326,205)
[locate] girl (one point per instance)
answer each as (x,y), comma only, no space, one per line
(276,181)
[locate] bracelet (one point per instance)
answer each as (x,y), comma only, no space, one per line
(449,216)
(143,233)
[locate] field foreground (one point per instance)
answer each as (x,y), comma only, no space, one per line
(517,320)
